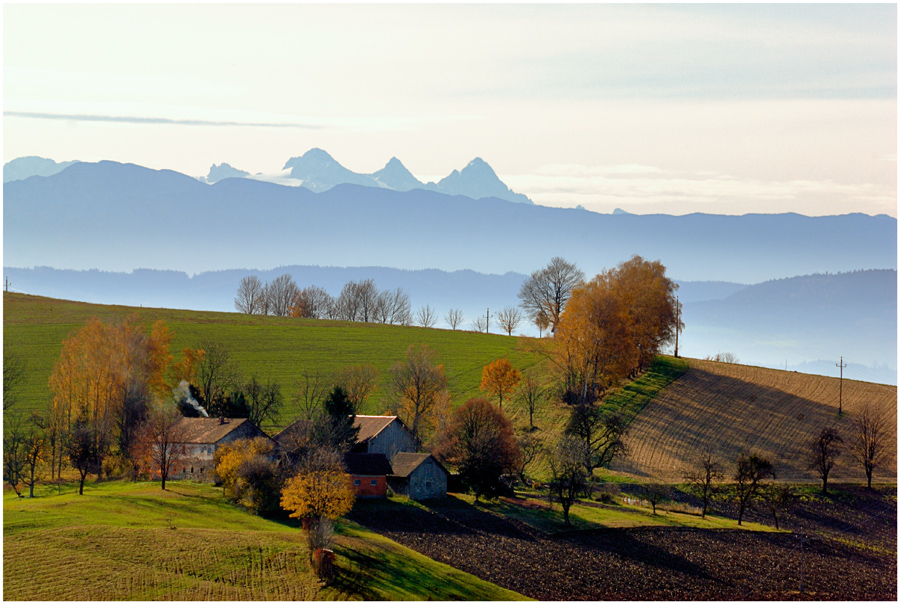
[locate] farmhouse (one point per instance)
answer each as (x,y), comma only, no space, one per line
(200,437)
(384,457)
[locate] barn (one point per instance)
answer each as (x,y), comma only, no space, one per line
(418,475)
(384,434)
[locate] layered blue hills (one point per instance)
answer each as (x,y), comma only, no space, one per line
(118,217)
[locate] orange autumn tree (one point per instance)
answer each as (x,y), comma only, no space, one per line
(500,378)
(613,326)
(106,376)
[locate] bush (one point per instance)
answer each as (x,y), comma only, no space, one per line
(607,493)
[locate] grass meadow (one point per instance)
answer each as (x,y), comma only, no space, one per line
(282,349)
(133,541)
(276,348)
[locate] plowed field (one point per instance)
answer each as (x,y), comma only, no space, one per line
(736,408)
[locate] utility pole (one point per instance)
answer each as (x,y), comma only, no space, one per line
(487,325)
(7,284)
(841,388)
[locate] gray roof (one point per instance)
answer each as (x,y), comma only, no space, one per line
(371,425)
(367,464)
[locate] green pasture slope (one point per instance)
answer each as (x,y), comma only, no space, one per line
(274,348)
(133,541)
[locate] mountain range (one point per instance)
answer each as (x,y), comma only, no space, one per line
(318,171)
(120,217)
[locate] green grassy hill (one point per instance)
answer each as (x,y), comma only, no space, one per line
(274,348)
(133,541)
(283,348)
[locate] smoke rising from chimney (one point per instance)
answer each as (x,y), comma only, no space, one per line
(183,394)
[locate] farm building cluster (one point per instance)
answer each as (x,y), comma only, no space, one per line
(384,457)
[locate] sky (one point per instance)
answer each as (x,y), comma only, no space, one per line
(674,109)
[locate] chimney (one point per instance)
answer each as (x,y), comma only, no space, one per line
(221,418)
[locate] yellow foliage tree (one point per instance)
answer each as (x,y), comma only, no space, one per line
(500,378)
(106,375)
(318,494)
(613,326)
(231,456)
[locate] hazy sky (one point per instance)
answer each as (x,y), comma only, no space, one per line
(665,108)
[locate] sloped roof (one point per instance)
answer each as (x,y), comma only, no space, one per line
(289,433)
(371,425)
(207,430)
(404,464)
(367,464)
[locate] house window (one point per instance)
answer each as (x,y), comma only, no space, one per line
(427,484)
(374,482)
(356,482)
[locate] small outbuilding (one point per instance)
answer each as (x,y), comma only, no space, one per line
(368,473)
(418,475)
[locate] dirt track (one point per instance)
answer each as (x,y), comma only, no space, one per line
(736,408)
(641,564)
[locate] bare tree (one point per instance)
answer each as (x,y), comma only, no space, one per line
(13,452)
(568,475)
(164,438)
(368,300)
(347,303)
(824,449)
(249,295)
(750,472)
(215,372)
(530,393)
(778,498)
(869,438)
(311,302)
(509,318)
(454,318)
(281,293)
(310,391)
(13,376)
(723,357)
(655,493)
(417,383)
(266,301)
(426,316)
(601,434)
(392,307)
(702,478)
(34,449)
(359,301)
(541,321)
(358,382)
(548,290)
(530,446)
(263,400)
(82,450)
(480,324)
